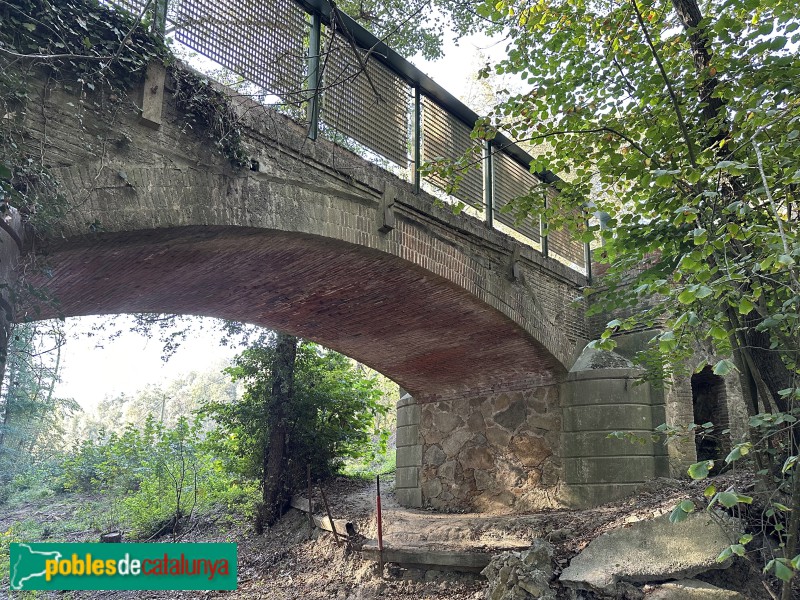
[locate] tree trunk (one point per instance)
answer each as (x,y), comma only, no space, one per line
(278,409)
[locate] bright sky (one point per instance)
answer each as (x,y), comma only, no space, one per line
(131,362)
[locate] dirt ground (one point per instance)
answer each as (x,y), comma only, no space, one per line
(291,563)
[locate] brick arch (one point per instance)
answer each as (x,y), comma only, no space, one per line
(428,334)
(170,185)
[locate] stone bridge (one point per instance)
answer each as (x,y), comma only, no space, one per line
(481,331)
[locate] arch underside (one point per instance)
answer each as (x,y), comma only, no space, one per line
(431,336)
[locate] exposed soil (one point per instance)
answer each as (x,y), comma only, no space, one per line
(290,563)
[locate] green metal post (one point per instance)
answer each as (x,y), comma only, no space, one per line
(416,140)
(488,183)
(587,256)
(160,17)
(313,77)
(542,229)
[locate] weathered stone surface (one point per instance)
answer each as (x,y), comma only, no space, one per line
(692,589)
(453,444)
(447,471)
(434,456)
(653,550)
(521,575)
(512,417)
(476,458)
(432,488)
(483,469)
(446,422)
(531,451)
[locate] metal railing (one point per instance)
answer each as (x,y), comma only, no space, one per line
(312,56)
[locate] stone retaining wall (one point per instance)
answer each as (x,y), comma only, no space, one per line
(491,452)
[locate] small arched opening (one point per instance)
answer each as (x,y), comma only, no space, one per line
(709,405)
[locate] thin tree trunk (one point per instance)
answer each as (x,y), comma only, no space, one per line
(278,405)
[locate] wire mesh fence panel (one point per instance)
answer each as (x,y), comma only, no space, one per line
(512,181)
(364,100)
(563,244)
(261,40)
(445,137)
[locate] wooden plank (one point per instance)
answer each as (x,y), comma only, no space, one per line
(300,503)
(343,526)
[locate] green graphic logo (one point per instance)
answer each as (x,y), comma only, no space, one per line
(45,566)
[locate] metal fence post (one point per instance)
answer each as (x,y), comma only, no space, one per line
(488,183)
(416,140)
(542,229)
(587,258)
(312,108)
(160,17)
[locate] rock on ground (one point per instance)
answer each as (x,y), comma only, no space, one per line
(653,550)
(692,589)
(521,575)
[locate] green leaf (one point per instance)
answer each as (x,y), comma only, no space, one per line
(687,506)
(738,451)
(727,499)
(783,572)
(678,514)
(710,491)
(723,367)
(5,172)
(718,333)
(699,470)
(745,306)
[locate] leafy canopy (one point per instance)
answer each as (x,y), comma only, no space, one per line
(332,415)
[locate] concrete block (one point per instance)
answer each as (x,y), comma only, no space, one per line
(409,456)
(588,495)
(408,415)
(608,418)
(409,497)
(407,477)
(405,400)
(407,435)
(153,94)
(615,469)
(597,443)
(617,390)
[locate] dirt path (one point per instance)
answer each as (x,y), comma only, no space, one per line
(287,563)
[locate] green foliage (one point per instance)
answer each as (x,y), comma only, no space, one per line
(332,417)
(154,476)
(208,110)
(412,28)
(31,416)
(684,128)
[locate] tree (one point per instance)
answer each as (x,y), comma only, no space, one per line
(684,128)
(29,411)
(302,405)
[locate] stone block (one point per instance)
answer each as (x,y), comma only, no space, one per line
(604,391)
(407,435)
(608,418)
(409,497)
(409,456)
(407,477)
(408,415)
(627,469)
(597,443)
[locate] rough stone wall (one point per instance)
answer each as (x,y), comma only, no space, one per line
(499,451)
